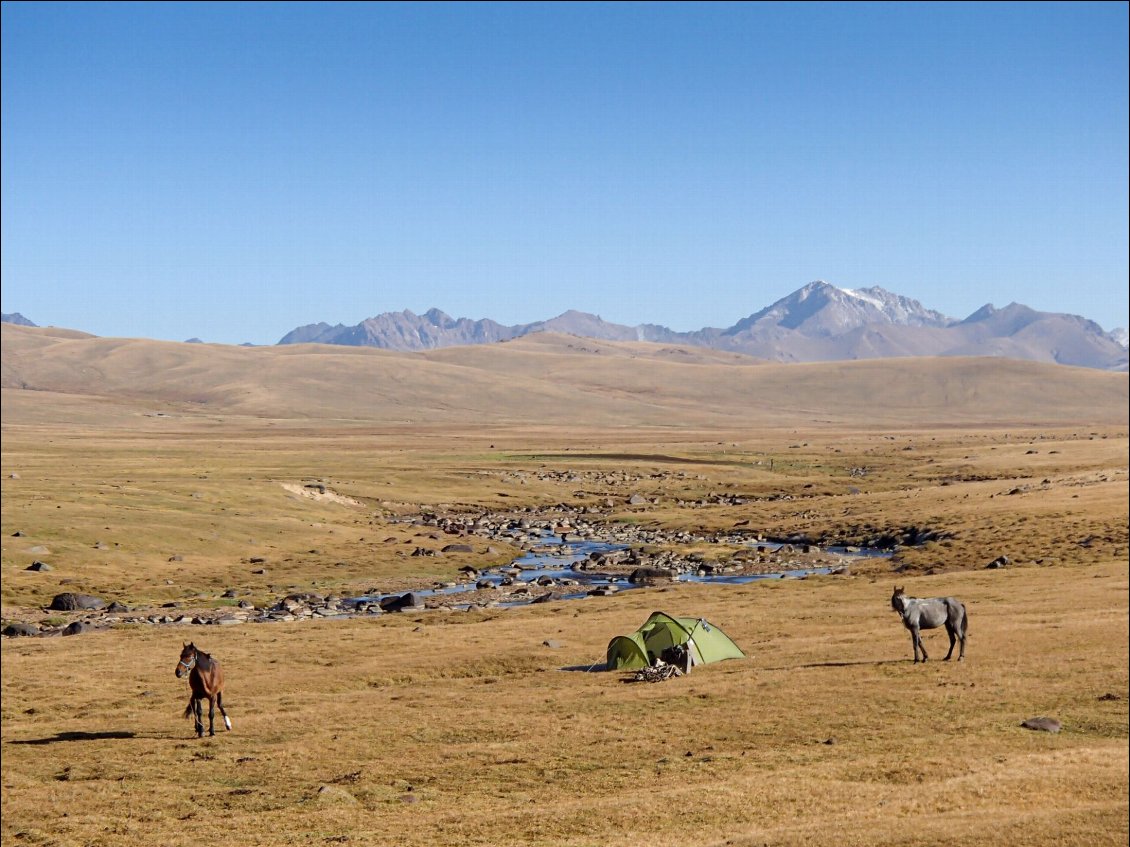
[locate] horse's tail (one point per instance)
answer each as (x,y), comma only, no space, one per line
(188,710)
(964,620)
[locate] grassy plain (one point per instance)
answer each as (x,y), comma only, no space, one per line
(467,727)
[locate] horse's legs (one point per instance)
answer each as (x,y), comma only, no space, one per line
(953,640)
(211,714)
(964,632)
(220,703)
(916,635)
(198,717)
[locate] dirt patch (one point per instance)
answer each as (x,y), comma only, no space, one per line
(319,493)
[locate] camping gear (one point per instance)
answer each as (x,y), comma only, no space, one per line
(702,642)
(659,672)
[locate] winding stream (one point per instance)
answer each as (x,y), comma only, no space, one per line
(561,567)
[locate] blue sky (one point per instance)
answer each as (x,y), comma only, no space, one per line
(232,171)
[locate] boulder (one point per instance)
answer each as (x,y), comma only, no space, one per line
(16,630)
(69,602)
(651,576)
(402,602)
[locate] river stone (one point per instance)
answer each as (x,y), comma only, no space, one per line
(75,602)
(400,603)
(651,576)
(1043,724)
(77,628)
(551,597)
(458,548)
(39,566)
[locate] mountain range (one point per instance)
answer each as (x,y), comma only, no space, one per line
(818,322)
(15,318)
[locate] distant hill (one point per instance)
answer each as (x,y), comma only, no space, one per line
(818,322)
(15,318)
(541,379)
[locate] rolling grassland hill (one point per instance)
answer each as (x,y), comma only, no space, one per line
(543,378)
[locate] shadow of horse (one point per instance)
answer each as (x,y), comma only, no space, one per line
(874,663)
(77,736)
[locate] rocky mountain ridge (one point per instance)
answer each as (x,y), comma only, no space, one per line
(15,318)
(818,322)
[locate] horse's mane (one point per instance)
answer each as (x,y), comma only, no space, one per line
(204,661)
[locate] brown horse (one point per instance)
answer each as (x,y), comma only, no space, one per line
(205,679)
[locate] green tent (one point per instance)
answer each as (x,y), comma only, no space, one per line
(705,642)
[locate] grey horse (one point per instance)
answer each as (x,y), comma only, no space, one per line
(918,614)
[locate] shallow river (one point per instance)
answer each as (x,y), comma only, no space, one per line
(554,564)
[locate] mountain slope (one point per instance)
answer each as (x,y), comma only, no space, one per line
(15,318)
(818,322)
(820,309)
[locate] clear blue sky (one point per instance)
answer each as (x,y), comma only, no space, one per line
(232,171)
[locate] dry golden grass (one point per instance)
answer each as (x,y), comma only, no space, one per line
(465,727)
(548,379)
(149,517)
